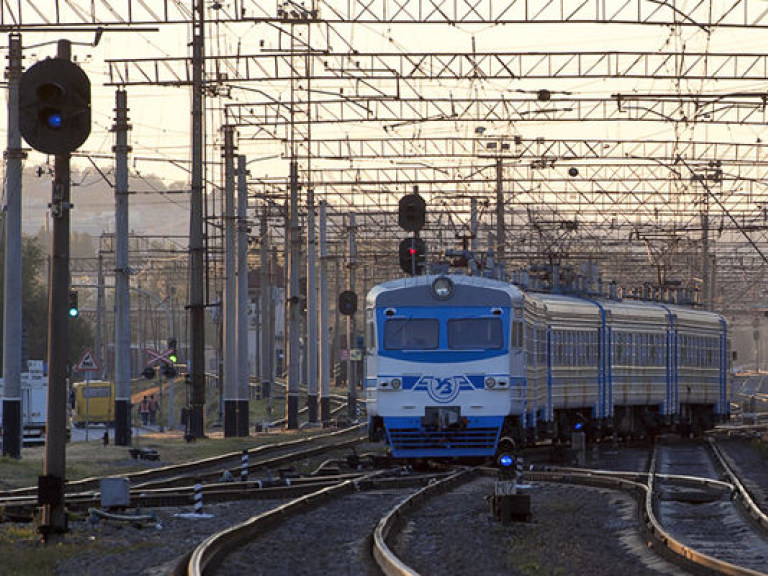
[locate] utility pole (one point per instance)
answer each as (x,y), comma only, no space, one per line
(122,276)
(501,230)
(230,289)
(196,414)
(12,319)
(351,366)
(312,344)
(100,313)
(324,328)
(265,309)
(293,316)
(243,373)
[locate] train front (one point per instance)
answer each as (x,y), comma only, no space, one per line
(445,366)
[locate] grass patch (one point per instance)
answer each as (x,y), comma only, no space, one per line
(86,459)
(25,555)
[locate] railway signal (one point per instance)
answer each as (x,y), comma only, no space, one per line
(55,106)
(411,213)
(413,256)
(347,303)
(73,310)
(172,356)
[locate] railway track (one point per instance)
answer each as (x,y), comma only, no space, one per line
(174,485)
(688,512)
(703,524)
(385,521)
(352,505)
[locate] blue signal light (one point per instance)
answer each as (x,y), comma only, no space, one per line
(578,426)
(506,460)
(53,120)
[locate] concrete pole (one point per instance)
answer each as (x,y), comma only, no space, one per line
(501,230)
(324,328)
(243,372)
(12,320)
(265,306)
(196,418)
(230,289)
(53,522)
(100,314)
(351,366)
(294,305)
(312,344)
(122,277)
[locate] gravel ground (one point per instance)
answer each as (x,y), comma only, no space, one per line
(118,549)
(333,540)
(574,530)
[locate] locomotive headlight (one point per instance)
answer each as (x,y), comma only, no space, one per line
(442,288)
(490,382)
(396,383)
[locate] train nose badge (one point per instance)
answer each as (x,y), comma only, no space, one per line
(443,390)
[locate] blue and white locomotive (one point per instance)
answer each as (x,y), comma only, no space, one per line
(467,366)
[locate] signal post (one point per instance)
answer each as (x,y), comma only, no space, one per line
(55,118)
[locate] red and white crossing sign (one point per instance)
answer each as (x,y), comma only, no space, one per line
(88,362)
(155,357)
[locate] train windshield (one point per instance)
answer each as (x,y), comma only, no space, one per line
(475,333)
(411,334)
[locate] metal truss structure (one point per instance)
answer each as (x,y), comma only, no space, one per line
(681,199)
(702,14)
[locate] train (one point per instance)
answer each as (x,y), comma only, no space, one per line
(463,366)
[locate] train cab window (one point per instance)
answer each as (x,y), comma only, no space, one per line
(475,334)
(411,334)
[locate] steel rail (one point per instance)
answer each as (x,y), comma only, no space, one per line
(214,548)
(743,495)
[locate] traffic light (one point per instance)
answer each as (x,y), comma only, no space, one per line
(173,357)
(55,106)
(413,256)
(411,213)
(347,303)
(148,373)
(74,310)
(169,370)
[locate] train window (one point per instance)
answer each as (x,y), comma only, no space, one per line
(411,334)
(475,333)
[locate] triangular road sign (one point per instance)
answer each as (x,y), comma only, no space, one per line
(88,362)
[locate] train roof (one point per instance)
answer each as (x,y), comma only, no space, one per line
(560,303)
(634,311)
(417,291)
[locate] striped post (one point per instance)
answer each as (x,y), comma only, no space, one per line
(244,467)
(198,497)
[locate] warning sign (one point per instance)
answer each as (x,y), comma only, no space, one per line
(88,362)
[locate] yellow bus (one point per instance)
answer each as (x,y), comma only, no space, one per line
(94,402)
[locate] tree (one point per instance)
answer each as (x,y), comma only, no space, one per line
(34,304)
